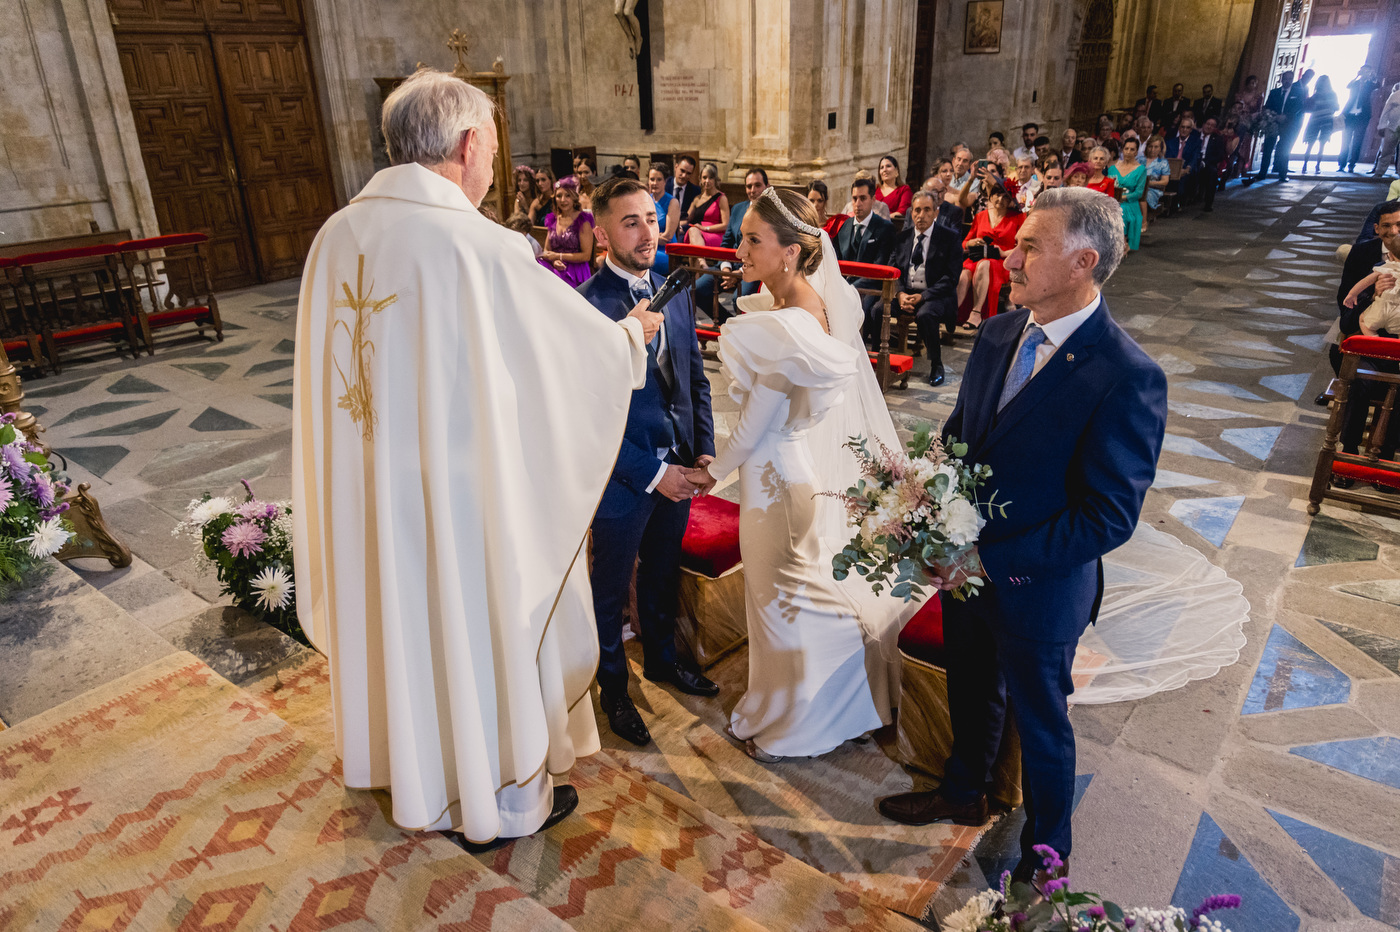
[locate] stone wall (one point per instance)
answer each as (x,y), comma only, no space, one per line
(1193,42)
(69,160)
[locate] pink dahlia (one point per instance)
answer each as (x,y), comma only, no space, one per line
(244,539)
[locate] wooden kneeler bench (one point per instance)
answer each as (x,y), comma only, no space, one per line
(710,617)
(925,731)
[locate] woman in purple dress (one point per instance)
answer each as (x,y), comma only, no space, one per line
(568,250)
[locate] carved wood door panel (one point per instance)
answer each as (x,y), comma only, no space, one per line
(1091,73)
(179,115)
(277,140)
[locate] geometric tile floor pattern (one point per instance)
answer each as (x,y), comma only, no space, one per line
(1276,779)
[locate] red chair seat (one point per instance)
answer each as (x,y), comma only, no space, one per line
(899,364)
(180,315)
(1366,473)
(711,543)
(922,637)
(88,334)
(16,346)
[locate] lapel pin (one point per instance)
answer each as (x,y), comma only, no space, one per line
(1069,357)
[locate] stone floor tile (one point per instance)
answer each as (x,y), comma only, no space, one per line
(146,530)
(1375,758)
(132,428)
(133,385)
(1383,650)
(1367,876)
(1215,865)
(97,460)
(1292,676)
(1331,541)
(1209,517)
(235,644)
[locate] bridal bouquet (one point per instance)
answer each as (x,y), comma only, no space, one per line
(250,546)
(1053,908)
(32,526)
(916,515)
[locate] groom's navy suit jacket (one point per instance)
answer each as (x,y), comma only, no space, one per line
(660,414)
(1072,457)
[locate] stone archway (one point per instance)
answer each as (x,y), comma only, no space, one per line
(1091,70)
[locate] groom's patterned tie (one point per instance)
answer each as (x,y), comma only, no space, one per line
(1022,367)
(642,289)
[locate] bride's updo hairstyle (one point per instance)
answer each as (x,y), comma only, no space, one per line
(809,256)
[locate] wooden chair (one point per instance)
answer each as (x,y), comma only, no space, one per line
(167,284)
(76,297)
(1172,194)
(1367,467)
(18,332)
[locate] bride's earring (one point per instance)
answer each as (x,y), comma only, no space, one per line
(785,268)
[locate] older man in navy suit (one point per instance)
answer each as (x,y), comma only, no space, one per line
(646,505)
(1069,413)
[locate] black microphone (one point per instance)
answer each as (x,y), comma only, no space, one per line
(675,283)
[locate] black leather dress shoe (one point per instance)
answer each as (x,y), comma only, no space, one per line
(936,377)
(565,802)
(1342,482)
(624,719)
(687,681)
(1322,400)
(930,806)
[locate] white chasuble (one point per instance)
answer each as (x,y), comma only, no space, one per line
(458,410)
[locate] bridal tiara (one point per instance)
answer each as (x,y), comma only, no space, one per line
(772,194)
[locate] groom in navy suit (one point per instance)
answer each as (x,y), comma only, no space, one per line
(646,504)
(1069,412)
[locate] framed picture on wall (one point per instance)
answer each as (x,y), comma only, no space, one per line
(983,33)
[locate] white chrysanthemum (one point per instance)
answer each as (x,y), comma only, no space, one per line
(961,522)
(274,588)
(201,513)
(973,916)
(48,539)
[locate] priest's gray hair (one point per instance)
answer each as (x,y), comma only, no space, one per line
(425,117)
(1092,221)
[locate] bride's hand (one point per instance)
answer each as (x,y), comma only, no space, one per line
(700,476)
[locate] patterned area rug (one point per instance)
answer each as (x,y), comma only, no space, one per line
(171,799)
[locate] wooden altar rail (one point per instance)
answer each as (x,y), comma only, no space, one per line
(706,259)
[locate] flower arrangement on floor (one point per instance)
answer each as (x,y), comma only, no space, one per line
(32,526)
(1051,907)
(916,514)
(250,546)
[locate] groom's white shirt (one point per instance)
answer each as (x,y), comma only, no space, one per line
(1056,333)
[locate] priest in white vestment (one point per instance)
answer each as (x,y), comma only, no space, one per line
(457,413)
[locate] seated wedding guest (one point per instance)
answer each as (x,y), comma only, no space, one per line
(459,637)
(1213,153)
(996,140)
(709,213)
(1144,129)
(880,207)
(1069,149)
(1130,178)
(1029,132)
(891,191)
(668,212)
(868,237)
(949,214)
(1098,166)
(929,258)
(1078,175)
(1208,105)
(543,203)
(975,191)
(1053,176)
(646,505)
(819,197)
(1041,147)
(755,183)
(633,164)
(993,235)
(681,186)
(584,171)
(943,170)
(1024,184)
(520,223)
(1174,106)
(526,189)
(1106,128)
(568,249)
(1362,262)
(1159,173)
(1185,144)
(963,165)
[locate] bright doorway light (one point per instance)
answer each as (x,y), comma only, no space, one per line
(1340,58)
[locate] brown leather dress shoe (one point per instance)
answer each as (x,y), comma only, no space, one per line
(930,806)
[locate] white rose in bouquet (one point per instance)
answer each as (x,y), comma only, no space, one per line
(961,521)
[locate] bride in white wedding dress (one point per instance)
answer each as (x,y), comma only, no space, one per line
(823,656)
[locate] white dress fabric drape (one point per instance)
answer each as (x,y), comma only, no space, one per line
(457,412)
(823,655)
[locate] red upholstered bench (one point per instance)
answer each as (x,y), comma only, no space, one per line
(925,733)
(900,366)
(1360,355)
(706,336)
(711,619)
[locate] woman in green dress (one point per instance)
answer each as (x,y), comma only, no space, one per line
(1131,178)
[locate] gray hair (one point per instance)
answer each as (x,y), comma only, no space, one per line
(1092,221)
(1100,149)
(425,117)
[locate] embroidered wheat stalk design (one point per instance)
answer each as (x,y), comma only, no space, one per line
(359,392)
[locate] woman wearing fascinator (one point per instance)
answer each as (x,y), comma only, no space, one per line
(823,656)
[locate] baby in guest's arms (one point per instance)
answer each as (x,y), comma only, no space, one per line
(1384,312)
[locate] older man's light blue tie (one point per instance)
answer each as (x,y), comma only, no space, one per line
(1022,367)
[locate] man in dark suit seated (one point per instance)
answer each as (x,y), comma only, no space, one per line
(1207,105)
(1362,261)
(1212,154)
(680,186)
(646,505)
(1286,103)
(1173,107)
(929,258)
(1069,413)
(1185,144)
(1152,103)
(867,237)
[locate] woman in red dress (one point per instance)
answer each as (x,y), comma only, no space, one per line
(890,191)
(993,235)
(1098,180)
(709,213)
(817,194)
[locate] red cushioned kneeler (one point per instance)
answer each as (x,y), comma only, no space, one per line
(711,620)
(922,637)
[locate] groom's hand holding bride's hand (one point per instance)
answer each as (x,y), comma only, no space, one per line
(948,578)
(700,477)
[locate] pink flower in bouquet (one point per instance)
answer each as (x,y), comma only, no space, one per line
(41,487)
(15,463)
(244,539)
(255,509)
(7,495)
